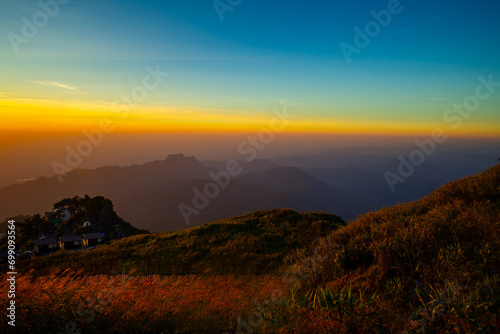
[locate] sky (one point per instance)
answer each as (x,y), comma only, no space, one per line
(231,64)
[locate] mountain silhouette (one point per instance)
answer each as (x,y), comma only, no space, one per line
(149,195)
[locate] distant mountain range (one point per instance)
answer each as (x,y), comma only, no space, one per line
(148,196)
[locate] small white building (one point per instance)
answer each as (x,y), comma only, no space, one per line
(64,214)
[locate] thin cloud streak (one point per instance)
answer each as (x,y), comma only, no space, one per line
(56,84)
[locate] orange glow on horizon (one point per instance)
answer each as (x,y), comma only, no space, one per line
(25,120)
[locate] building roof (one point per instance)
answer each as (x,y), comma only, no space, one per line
(70,238)
(46,241)
(93,235)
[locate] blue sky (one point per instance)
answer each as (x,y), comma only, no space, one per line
(427,58)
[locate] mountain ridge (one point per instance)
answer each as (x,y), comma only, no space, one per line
(149,195)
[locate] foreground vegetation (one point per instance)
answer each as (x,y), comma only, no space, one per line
(134,304)
(431,266)
(434,263)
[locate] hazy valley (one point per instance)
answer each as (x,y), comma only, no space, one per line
(344,182)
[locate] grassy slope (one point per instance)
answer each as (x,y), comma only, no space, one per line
(452,235)
(252,244)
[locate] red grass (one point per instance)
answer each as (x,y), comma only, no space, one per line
(117,303)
